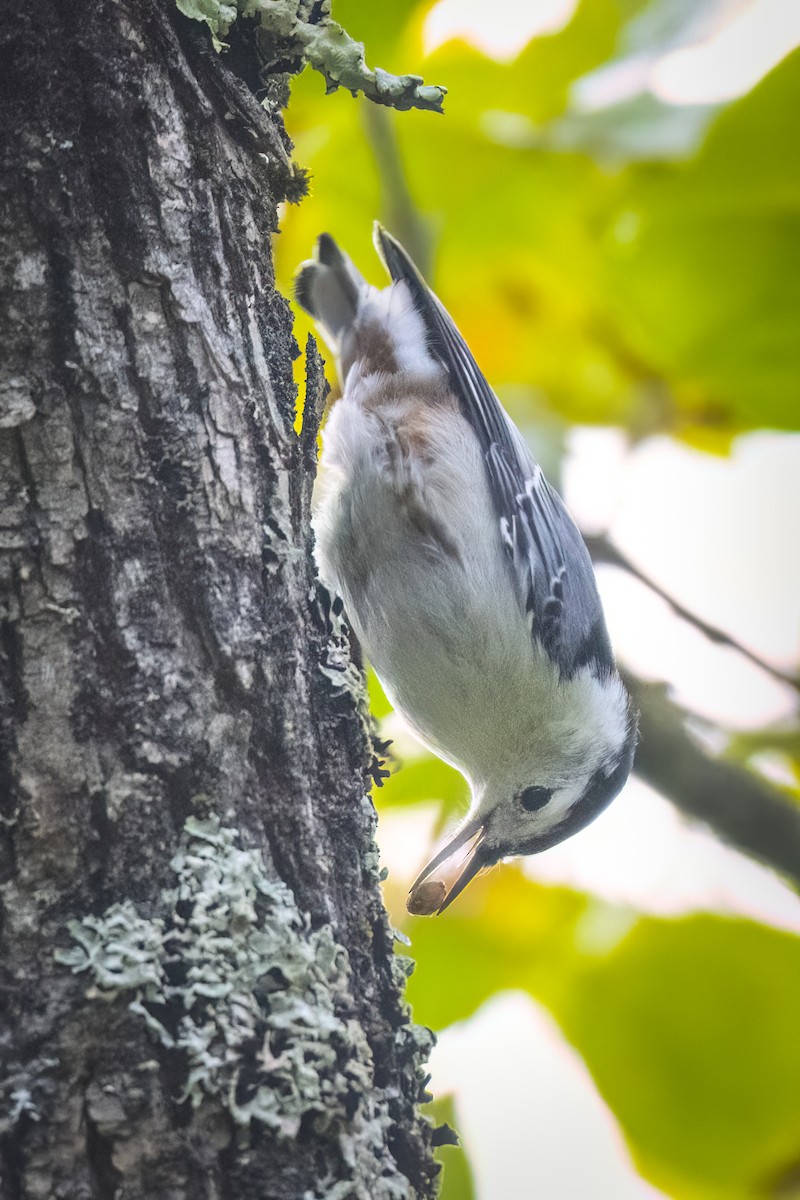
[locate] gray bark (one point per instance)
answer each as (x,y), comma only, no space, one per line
(167,678)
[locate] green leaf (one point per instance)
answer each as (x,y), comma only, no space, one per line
(641,128)
(690,1030)
(688,1026)
(503,933)
(387,30)
(423,780)
(780,741)
(537,83)
(702,263)
(664,25)
(379,704)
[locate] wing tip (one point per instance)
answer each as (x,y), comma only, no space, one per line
(394,256)
(381,239)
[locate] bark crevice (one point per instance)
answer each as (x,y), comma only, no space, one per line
(163,655)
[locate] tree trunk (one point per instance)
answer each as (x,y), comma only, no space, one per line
(199,992)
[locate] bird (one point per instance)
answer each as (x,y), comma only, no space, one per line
(462,574)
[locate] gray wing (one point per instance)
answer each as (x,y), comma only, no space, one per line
(546,553)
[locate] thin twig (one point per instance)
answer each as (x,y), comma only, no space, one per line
(742,808)
(604,551)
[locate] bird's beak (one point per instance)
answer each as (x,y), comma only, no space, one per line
(449,872)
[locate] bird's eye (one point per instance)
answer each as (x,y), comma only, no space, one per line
(534,798)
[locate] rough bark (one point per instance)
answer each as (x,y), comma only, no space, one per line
(165,666)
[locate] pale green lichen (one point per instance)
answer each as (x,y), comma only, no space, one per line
(307,31)
(23,1092)
(218,16)
(19,1102)
(340,670)
(344,676)
(234,977)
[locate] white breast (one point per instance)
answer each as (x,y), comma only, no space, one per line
(442,627)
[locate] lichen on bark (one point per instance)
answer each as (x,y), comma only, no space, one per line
(161,638)
(233,977)
(305,29)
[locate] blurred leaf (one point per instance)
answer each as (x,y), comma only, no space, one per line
(667,24)
(426,779)
(457,1182)
(538,80)
(379,703)
(785,740)
(702,263)
(642,127)
(775,745)
(690,1030)
(505,932)
(688,1026)
(382,28)
(661,26)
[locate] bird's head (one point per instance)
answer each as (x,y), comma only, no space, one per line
(541,802)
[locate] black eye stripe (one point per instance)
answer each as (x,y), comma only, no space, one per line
(534,798)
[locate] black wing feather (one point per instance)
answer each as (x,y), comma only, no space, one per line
(547,555)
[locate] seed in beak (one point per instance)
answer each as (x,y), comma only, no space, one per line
(426,898)
(448,873)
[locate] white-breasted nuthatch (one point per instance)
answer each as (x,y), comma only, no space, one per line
(462,573)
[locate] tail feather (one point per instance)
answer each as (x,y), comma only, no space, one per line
(382,330)
(330,289)
(402,268)
(397,260)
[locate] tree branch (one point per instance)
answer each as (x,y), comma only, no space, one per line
(604,551)
(306,31)
(741,808)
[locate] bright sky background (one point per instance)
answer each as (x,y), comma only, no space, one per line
(754,40)
(714,533)
(501,29)
(732,62)
(545,1134)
